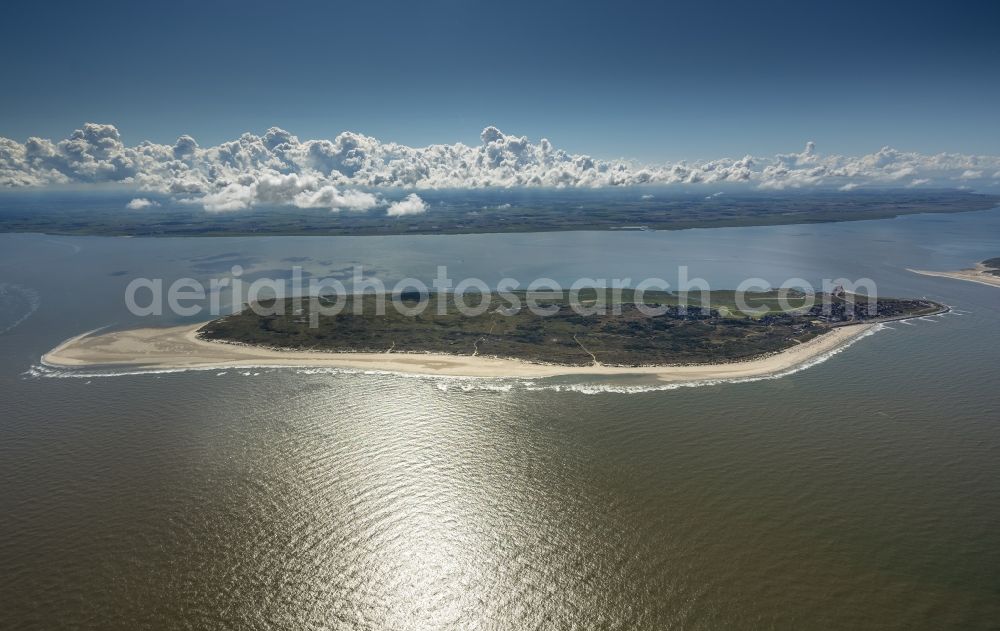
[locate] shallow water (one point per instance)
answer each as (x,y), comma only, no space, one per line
(863,492)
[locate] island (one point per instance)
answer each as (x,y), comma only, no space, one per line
(986,273)
(775,331)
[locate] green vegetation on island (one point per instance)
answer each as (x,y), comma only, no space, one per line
(713,331)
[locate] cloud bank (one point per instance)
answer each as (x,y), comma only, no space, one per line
(279,169)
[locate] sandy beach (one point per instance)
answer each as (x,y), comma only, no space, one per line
(180,347)
(978,274)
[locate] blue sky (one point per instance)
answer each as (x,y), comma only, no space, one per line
(654,81)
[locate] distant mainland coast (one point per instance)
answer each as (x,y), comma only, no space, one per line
(480,212)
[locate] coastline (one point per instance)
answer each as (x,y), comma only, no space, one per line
(180,347)
(978,274)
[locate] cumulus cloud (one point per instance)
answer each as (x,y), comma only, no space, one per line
(141,202)
(231,197)
(270,188)
(411,205)
(329,197)
(184,147)
(279,169)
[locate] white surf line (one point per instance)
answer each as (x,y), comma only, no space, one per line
(490,382)
(956,310)
(605,388)
(224,364)
(463,383)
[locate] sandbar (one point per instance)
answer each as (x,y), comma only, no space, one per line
(979,274)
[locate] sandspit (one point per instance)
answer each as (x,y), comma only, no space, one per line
(979,274)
